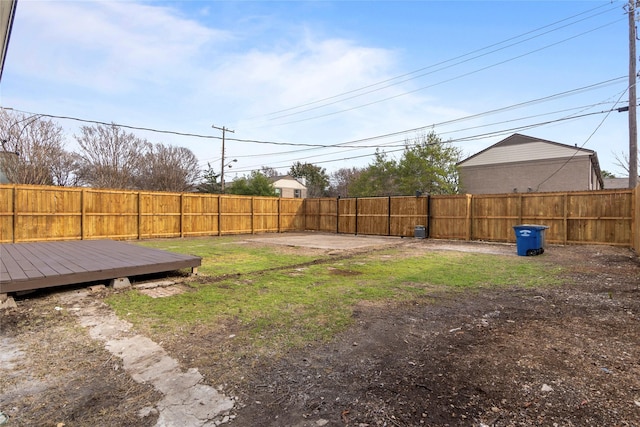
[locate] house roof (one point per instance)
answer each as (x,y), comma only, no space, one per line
(616,183)
(293,181)
(522,148)
(7,12)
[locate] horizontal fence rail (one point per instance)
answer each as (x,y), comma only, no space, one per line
(41,213)
(595,217)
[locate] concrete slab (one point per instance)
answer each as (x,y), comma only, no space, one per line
(326,240)
(162,292)
(187,400)
(8,303)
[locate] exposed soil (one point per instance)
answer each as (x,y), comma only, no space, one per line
(560,355)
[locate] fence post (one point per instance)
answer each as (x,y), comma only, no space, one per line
(15,212)
(520,209)
(356,216)
(428,221)
(219,214)
(279,215)
(181,215)
(565,219)
(469,218)
(83,214)
(253,216)
(338,215)
(304,214)
(139,216)
(389,217)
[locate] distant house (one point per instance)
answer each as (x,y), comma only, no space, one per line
(616,183)
(5,156)
(288,186)
(520,164)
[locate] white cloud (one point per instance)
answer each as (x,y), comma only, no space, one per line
(266,81)
(151,66)
(105,46)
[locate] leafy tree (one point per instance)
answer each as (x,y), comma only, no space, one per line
(110,157)
(607,174)
(316,178)
(33,150)
(341,180)
(167,168)
(427,165)
(377,179)
(209,183)
(256,184)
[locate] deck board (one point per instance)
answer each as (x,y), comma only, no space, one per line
(27,266)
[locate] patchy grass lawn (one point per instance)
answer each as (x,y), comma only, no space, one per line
(291,306)
(229,255)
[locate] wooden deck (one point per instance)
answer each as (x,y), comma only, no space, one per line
(27,266)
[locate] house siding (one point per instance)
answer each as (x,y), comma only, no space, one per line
(526,152)
(568,174)
(290,192)
(287,187)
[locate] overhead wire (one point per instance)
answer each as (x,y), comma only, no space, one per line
(460,76)
(77,119)
(432,126)
(402,76)
(403,142)
(558,95)
(476,137)
(583,144)
(347,144)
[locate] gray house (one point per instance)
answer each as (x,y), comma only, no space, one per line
(521,164)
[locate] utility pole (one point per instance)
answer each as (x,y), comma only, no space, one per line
(633,126)
(222,165)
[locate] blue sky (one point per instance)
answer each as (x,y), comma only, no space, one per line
(326,73)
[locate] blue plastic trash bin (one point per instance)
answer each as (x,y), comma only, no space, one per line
(530,239)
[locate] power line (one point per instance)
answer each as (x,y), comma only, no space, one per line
(583,144)
(447,122)
(402,143)
(476,137)
(53,116)
(442,81)
(402,76)
(347,144)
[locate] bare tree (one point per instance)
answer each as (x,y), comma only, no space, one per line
(167,168)
(269,172)
(109,157)
(622,161)
(63,170)
(340,180)
(32,149)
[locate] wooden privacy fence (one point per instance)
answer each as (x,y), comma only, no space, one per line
(385,216)
(596,217)
(40,213)
(636,220)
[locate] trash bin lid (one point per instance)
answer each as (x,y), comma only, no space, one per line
(530,227)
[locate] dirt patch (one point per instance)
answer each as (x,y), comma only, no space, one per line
(60,375)
(564,355)
(325,241)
